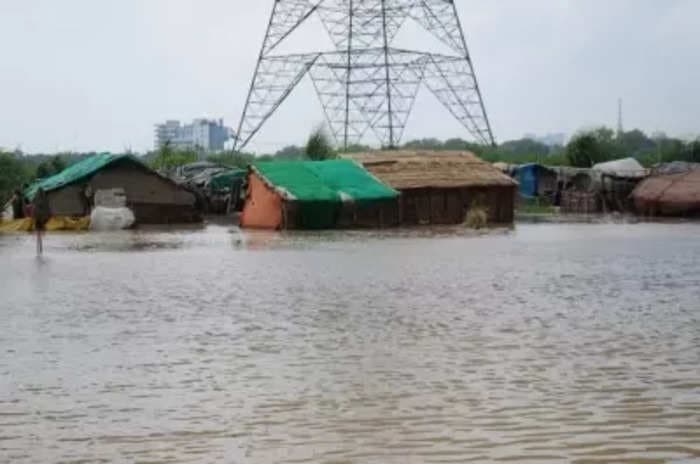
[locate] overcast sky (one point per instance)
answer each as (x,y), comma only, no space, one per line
(98,74)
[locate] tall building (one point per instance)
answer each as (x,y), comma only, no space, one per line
(204,135)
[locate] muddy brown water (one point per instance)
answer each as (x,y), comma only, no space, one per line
(549,343)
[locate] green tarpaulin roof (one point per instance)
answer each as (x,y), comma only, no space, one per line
(332,181)
(76,172)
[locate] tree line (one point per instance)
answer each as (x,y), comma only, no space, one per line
(18,170)
(585,149)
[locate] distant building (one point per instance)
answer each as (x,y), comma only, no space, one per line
(205,135)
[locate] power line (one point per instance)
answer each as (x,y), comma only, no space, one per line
(366,84)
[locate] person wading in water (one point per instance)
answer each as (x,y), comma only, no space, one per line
(41,212)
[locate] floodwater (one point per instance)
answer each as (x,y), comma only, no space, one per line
(548,343)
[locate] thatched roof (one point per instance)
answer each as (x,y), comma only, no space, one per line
(404,170)
(669,194)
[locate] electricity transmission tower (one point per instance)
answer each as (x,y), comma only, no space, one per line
(366,83)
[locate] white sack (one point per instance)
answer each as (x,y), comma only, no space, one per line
(106,219)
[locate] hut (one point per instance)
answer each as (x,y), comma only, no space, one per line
(154,199)
(576,190)
(441,187)
(616,181)
(224,191)
(536,180)
(676,194)
(316,195)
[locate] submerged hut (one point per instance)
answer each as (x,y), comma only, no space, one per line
(576,190)
(536,180)
(676,194)
(316,195)
(225,191)
(154,199)
(617,179)
(441,187)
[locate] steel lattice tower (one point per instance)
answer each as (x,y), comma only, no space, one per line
(366,82)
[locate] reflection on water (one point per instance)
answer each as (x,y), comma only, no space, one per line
(548,343)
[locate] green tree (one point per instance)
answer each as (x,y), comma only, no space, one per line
(168,158)
(43,170)
(50,166)
(13,173)
(694,151)
(319,146)
(424,144)
(290,152)
(670,150)
(357,148)
(636,143)
(524,147)
(456,144)
(57,164)
(233,159)
(589,148)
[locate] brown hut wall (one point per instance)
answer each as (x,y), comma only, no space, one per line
(576,202)
(376,214)
(141,186)
(616,192)
(495,200)
(450,205)
(68,201)
(154,200)
(150,213)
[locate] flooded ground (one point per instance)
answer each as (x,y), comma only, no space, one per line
(550,343)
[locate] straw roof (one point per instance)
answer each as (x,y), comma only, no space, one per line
(669,194)
(405,170)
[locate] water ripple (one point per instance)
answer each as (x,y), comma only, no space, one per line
(545,344)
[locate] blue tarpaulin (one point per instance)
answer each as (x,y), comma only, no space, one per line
(528,177)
